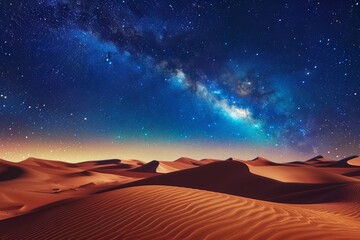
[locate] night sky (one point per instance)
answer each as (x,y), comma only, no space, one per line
(163,79)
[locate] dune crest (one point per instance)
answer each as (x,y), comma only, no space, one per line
(354,161)
(260,161)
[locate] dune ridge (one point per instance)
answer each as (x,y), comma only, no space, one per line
(233,177)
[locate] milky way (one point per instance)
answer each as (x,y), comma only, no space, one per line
(241,74)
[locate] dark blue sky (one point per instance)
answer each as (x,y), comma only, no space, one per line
(243,74)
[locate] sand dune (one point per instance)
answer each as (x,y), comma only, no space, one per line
(354,161)
(35,183)
(299,174)
(162,212)
(47,163)
(151,167)
(235,178)
(189,161)
(9,171)
(259,161)
(351,161)
(162,167)
(319,159)
(184,199)
(108,163)
(15,202)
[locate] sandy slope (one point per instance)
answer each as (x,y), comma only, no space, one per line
(163,212)
(162,167)
(297,174)
(235,178)
(35,183)
(259,161)
(354,161)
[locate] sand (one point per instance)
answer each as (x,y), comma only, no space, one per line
(183,199)
(164,212)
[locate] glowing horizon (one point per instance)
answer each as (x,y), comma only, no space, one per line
(101,149)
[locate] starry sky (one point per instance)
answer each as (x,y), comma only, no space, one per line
(163,79)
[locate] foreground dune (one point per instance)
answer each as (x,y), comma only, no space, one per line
(163,212)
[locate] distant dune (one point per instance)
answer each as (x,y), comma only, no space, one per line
(354,161)
(259,161)
(162,167)
(183,199)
